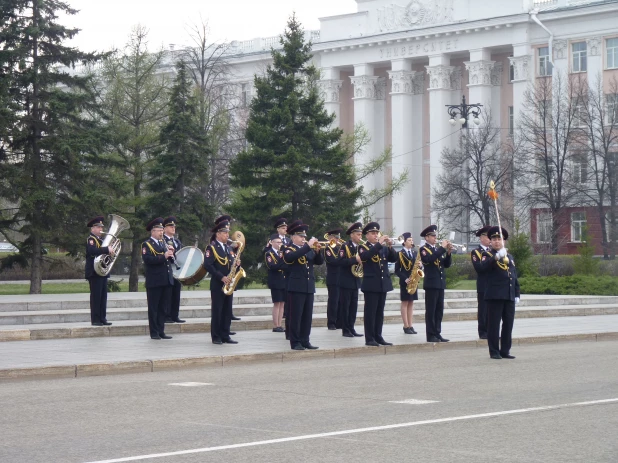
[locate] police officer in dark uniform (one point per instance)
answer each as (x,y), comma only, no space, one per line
(331,254)
(376,282)
(159,278)
(501,295)
(349,284)
(276,279)
(479,256)
(98,283)
(403,269)
(435,259)
(218,259)
(300,258)
(173,308)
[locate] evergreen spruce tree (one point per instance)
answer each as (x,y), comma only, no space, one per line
(296,165)
(180,169)
(45,131)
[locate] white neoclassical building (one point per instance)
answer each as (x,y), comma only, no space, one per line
(393,65)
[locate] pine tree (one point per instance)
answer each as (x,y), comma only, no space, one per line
(181,166)
(295,165)
(45,130)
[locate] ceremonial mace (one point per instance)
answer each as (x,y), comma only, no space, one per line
(493,194)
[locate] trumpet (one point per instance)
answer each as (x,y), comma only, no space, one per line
(333,241)
(461,247)
(390,241)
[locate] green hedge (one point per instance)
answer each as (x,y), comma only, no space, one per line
(575,284)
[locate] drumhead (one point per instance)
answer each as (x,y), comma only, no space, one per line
(190,260)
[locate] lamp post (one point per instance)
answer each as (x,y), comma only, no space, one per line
(462,112)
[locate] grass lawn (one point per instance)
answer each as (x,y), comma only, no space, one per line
(465,285)
(56,288)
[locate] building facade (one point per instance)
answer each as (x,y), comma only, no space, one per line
(394,65)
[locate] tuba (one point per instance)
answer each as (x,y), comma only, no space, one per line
(236,273)
(103,264)
(415,276)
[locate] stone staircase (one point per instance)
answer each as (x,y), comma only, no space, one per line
(30,317)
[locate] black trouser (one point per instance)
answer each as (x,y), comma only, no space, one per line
(300,315)
(434,311)
(220,315)
(332,307)
(98,299)
(374,316)
(500,310)
(173,308)
(157,303)
(349,306)
(482,314)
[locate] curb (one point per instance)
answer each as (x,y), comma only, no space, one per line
(148,366)
(33,334)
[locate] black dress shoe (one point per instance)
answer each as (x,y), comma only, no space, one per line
(235,318)
(168,320)
(217,342)
(232,333)
(230,341)
(433,339)
(298,348)
(310,346)
(347,335)
(106,323)
(155,337)
(482,336)
(372,344)
(496,356)
(443,339)
(358,335)
(165,336)
(97,324)
(332,327)
(507,356)
(406,330)
(384,343)
(178,320)
(412,331)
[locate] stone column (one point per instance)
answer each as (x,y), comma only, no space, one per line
(496,95)
(479,71)
(440,75)
(329,86)
(560,58)
(595,59)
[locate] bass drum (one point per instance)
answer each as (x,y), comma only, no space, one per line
(191,262)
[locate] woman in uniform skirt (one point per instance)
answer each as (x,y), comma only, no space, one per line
(403,269)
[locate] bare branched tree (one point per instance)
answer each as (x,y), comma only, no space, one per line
(461,190)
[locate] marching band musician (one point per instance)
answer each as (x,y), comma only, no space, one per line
(349,284)
(213,240)
(478,257)
(300,258)
(173,307)
(218,259)
(276,280)
(159,278)
(376,282)
(435,259)
(501,296)
(403,269)
(97,283)
(331,253)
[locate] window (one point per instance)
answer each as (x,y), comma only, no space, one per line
(511,121)
(580,167)
(545,114)
(578,222)
(545,66)
(244,95)
(612,53)
(579,57)
(511,72)
(545,170)
(579,113)
(612,108)
(543,227)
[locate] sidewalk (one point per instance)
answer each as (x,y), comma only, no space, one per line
(109,355)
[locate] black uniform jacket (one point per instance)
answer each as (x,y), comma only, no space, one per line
(285,241)
(276,266)
(331,256)
(479,258)
(174,242)
(218,260)
(93,249)
(375,259)
(501,280)
(404,265)
(300,261)
(435,260)
(157,267)
(347,259)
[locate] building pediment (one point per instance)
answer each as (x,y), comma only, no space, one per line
(415,13)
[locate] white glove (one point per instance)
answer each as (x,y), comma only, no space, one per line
(516,300)
(501,253)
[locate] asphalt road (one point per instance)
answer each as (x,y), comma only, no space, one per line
(554,403)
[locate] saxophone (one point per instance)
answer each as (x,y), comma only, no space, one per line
(416,275)
(236,273)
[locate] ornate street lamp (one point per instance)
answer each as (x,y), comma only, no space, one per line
(460,114)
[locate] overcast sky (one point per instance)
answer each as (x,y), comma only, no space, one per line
(107,23)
